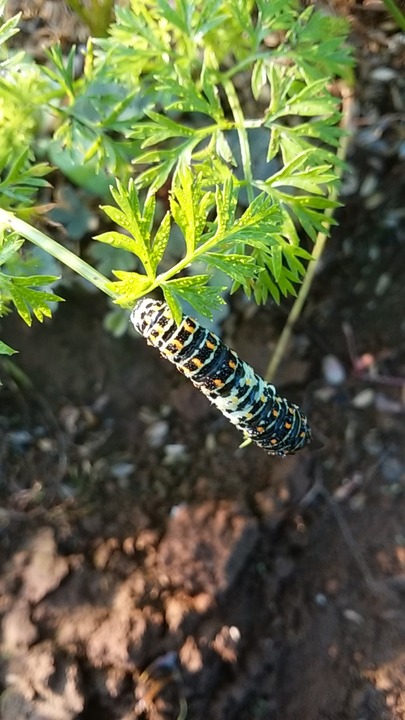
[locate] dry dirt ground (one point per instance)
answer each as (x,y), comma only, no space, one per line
(149,568)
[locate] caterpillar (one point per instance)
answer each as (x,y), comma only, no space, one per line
(248,401)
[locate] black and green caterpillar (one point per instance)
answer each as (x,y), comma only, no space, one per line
(248,401)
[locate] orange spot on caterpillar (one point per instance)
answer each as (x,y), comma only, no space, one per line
(197,362)
(218,383)
(232,364)
(287,425)
(210,345)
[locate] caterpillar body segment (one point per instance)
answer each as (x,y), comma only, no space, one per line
(248,401)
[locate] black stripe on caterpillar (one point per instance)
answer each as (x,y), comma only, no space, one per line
(248,401)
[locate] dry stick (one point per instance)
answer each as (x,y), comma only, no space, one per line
(396,13)
(347,102)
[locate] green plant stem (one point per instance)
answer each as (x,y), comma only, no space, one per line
(59,252)
(243,136)
(396,13)
(316,253)
(97,17)
(185,262)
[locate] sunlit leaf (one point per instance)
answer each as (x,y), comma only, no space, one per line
(204,298)
(129,287)
(160,241)
(238,267)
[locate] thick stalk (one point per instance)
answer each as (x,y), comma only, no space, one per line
(59,252)
(242,135)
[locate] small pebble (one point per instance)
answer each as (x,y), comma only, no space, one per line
(373,201)
(383,283)
(383,74)
(325,394)
(353,616)
(19,438)
(46,445)
(122,470)
(234,633)
(156,433)
(177,509)
(369,185)
(333,370)
(174,453)
(364,399)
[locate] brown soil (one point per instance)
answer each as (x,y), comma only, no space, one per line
(149,568)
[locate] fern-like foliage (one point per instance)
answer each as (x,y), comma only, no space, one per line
(23,291)
(179,95)
(244,247)
(186,58)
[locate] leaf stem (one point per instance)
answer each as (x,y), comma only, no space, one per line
(249,60)
(185,262)
(163,277)
(318,248)
(242,134)
(61,253)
